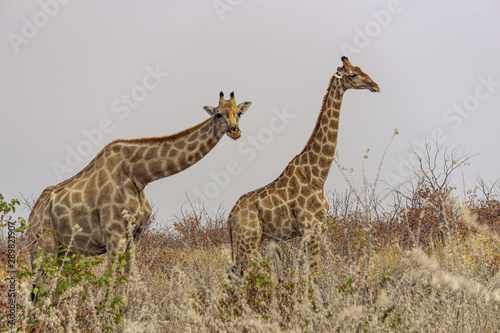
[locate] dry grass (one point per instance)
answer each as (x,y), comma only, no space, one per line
(427,263)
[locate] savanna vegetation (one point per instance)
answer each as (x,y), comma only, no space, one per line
(421,257)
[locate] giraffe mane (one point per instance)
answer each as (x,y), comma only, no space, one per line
(158,139)
(318,121)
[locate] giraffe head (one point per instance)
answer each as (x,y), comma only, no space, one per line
(227,115)
(354,78)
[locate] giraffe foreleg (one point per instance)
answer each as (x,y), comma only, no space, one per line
(47,245)
(247,237)
(116,246)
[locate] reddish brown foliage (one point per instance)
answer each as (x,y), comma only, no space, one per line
(160,249)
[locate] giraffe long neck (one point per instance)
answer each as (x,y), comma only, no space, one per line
(317,156)
(150,159)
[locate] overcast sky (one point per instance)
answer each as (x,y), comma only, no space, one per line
(74,76)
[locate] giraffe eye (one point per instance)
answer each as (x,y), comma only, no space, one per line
(240,114)
(218,115)
(352,76)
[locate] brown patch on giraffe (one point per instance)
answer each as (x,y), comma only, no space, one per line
(313,204)
(199,155)
(133,204)
(126,168)
(105,213)
(253,223)
(313,158)
(65,200)
(173,152)
(78,210)
(117,213)
(181,158)
(328,150)
(128,151)
(180,144)
(332,135)
(281,185)
(156,167)
(257,193)
(79,185)
(270,228)
(204,149)
(306,169)
(60,210)
(90,192)
(268,215)
(267,203)
(139,169)
(119,197)
(138,155)
(63,226)
(99,162)
(86,226)
(116,228)
(324,162)
(103,177)
(115,147)
(172,166)
(301,201)
(191,146)
(106,195)
(94,219)
(112,162)
(108,191)
(76,196)
(165,149)
(152,153)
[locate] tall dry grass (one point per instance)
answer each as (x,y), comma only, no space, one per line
(426,261)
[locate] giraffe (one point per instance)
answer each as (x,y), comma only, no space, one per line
(294,204)
(93,200)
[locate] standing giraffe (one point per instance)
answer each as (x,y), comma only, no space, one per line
(93,200)
(294,204)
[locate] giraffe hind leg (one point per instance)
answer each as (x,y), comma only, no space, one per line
(312,242)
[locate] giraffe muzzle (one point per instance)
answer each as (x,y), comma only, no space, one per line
(234,132)
(375,88)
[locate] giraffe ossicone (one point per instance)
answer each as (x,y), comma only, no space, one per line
(294,204)
(95,199)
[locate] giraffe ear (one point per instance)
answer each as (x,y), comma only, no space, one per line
(211,110)
(244,107)
(340,73)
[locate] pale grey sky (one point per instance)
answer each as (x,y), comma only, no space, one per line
(74,76)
